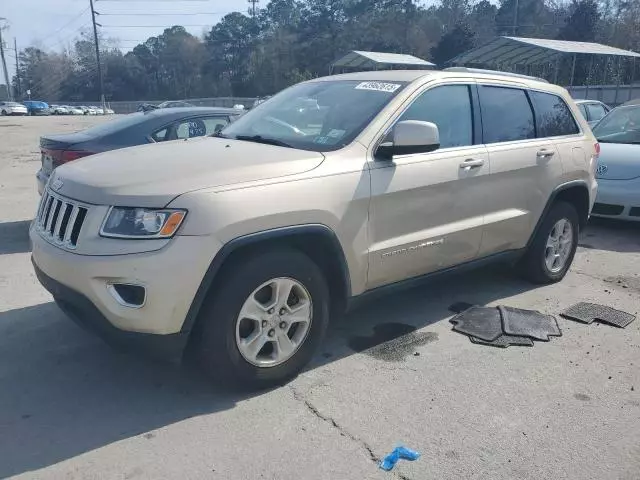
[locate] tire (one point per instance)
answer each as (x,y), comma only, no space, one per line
(218,340)
(4,113)
(534,265)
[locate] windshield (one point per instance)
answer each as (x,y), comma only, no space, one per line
(319,116)
(621,125)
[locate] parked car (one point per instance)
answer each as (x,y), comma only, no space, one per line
(12,108)
(618,170)
(243,244)
(88,110)
(58,110)
(133,129)
(592,110)
(35,107)
(260,100)
(98,110)
(144,107)
(75,110)
(108,111)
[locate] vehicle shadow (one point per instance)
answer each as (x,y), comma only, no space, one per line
(65,393)
(14,237)
(611,235)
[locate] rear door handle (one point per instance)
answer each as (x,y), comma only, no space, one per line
(544,153)
(470,163)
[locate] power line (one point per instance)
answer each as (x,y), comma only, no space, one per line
(64,26)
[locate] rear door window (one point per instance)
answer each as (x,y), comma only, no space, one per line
(596,111)
(553,117)
(506,114)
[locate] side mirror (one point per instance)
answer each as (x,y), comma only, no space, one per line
(410,136)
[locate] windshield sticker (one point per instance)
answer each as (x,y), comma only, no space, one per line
(322,140)
(378,86)
(336,133)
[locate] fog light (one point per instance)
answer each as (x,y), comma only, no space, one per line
(127,294)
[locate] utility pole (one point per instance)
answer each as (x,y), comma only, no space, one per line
(252,9)
(19,89)
(515,19)
(4,66)
(95,37)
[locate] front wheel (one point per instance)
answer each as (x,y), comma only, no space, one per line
(4,113)
(552,250)
(262,325)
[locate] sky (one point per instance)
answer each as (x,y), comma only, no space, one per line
(53,24)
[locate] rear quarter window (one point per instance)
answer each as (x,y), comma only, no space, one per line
(553,116)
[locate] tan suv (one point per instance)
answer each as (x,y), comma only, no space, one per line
(242,245)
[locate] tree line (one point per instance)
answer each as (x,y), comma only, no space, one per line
(293,40)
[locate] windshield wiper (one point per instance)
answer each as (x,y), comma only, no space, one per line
(261,139)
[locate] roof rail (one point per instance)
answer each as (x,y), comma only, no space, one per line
(492,72)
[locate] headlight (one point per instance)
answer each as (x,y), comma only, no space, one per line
(125,222)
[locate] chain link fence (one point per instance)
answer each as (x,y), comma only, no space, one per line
(132,106)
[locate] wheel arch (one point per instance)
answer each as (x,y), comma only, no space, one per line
(577,194)
(317,241)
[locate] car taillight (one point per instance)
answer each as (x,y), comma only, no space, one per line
(70,155)
(594,158)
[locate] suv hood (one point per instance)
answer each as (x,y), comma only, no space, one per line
(618,161)
(153,175)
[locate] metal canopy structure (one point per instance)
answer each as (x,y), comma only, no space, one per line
(528,54)
(360,60)
(531,51)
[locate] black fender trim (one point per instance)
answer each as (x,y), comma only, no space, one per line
(552,198)
(254,239)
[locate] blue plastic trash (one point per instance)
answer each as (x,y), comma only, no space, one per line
(404,453)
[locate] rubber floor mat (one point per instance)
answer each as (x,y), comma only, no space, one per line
(528,323)
(588,312)
(460,307)
(480,322)
(503,341)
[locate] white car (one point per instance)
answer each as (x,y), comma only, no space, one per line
(98,110)
(12,108)
(618,170)
(75,110)
(108,111)
(59,110)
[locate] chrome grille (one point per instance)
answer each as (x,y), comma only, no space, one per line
(60,220)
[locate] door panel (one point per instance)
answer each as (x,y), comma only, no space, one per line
(426,213)
(524,169)
(520,183)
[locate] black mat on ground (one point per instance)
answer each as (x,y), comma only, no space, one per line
(460,307)
(503,341)
(528,323)
(588,312)
(480,322)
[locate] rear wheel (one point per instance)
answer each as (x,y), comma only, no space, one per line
(551,253)
(263,324)
(4,113)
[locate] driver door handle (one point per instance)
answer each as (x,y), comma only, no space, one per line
(470,163)
(545,153)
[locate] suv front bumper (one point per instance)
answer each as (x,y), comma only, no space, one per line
(80,309)
(81,285)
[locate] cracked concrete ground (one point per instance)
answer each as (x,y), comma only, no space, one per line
(568,409)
